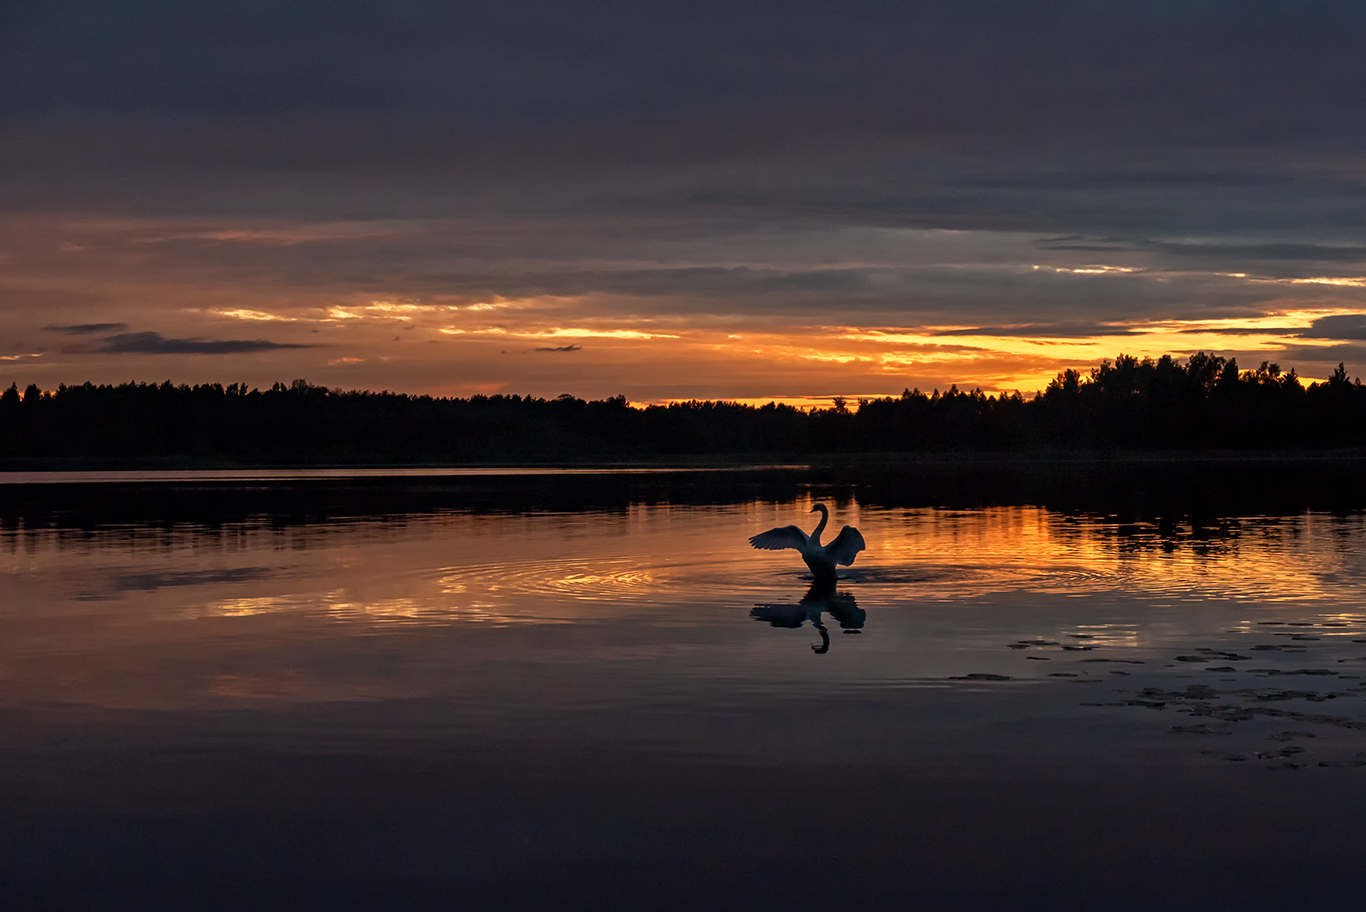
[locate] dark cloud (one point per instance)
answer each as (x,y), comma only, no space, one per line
(1085,248)
(1234,331)
(83,329)
(1342,326)
(704,281)
(1225,253)
(1284,251)
(1308,360)
(936,292)
(1111,180)
(922,190)
(562,348)
(496,87)
(151,343)
(1043,330)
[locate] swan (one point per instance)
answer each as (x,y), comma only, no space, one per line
(820,558)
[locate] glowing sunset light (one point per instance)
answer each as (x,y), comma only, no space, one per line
(599,334)
(259,316)
(1095,270)
(1351,282)
(1270,322)
(837,359)
(407,307)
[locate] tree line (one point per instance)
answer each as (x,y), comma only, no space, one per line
(1205,402)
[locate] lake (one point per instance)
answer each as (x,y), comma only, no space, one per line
(1140,687)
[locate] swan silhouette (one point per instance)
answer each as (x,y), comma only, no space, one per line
(820,558)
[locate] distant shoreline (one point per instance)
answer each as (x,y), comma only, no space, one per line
(721,462)
(1198,488)
(1204,409)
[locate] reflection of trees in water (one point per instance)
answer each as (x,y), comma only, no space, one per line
(1214,540)
(820,599)
(1128,532)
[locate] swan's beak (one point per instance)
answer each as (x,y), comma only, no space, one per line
(812,510)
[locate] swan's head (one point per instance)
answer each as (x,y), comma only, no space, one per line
(819,508)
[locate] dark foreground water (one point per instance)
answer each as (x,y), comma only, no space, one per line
(587,692)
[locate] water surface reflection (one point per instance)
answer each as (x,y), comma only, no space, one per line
(819,599)
(547,657)
(948,588)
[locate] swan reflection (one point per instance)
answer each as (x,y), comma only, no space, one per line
(819,599)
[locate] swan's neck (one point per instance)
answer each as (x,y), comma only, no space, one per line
(820,526)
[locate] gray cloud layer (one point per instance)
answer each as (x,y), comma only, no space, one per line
(540,91)
(84,329)
(1345,326)
(151,343)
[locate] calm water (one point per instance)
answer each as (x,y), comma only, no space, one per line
(571,707)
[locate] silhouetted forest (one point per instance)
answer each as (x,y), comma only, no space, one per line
(1128,404)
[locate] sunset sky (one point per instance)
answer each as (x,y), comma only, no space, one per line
(674,200)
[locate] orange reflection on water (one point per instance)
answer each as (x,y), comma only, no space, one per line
(133,618)
(1282,559)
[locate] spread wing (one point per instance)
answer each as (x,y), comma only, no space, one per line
(847,544)
(778,539)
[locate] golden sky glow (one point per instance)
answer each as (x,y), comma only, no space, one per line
(828,356)
(790,318)
(878,357)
